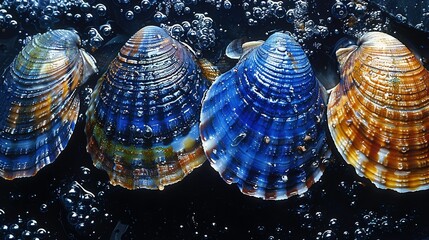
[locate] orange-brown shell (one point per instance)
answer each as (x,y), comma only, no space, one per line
(379,113)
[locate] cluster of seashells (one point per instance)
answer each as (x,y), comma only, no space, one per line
(263,125)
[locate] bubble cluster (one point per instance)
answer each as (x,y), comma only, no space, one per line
(32,16)
(356,19)
(82,210)
(22,229)
(200,32)
(261,11)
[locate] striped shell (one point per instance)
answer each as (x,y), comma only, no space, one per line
(262,122)
(40,105)
(379,113)
(142,122)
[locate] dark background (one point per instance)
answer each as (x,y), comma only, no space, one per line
(202,206)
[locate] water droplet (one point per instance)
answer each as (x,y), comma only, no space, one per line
(281,48)
(284,178)
(238,139)
(339,10)
(404,149)
(147,132)
(267,139)
(349,122)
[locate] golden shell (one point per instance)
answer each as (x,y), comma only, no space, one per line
(379,113)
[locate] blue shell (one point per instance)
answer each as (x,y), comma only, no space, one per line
(142,122)
(262,123)
(39,104)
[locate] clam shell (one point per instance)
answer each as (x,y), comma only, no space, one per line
(378,114)
(262,122)
(142,122)
(39,108)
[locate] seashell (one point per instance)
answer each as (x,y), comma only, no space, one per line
(379,113)
(40,106)
(142,122)
(262,122)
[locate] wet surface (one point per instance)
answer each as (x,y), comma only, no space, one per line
(70,199)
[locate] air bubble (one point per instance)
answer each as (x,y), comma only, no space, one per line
(227,4)
(238,139)
(129,15)
(339,10)
(147,132)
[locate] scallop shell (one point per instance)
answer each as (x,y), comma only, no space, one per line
(378,114)
(142,122)
(39,108)
(262,122)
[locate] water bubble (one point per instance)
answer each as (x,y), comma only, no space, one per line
(44,208)
(77,17)
(9,237)
(145,4)
(26,234)
(401,18)
(137,9)
(101,9)
(106,29)
(89,17)
(258,13)
(360,234)
(328,234)
(227,4)
(179,7)
(280,12)
(4,228)
(290,16)
(129,15)
(72,218)
(339,10)
(177,31)
(147,131)
(159,17)
(284,178)
(14,228)
(85,7)
(238,139)
(32,224)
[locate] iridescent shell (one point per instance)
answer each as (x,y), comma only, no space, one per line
(40,105)
(379,113)
(262,122)
(142,122)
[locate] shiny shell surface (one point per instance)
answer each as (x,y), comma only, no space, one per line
(262,122)
(142,122)
(40,105)
(379,113)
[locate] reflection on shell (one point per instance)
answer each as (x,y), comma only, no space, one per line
(262,122)
(39,108)
(142,122)
(378,114)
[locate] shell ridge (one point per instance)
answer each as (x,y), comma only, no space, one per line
(248,135)
(377,121)
(142,124)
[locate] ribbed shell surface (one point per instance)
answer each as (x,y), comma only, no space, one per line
(142,123)
(39,108)
(262,122)
(378,114)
